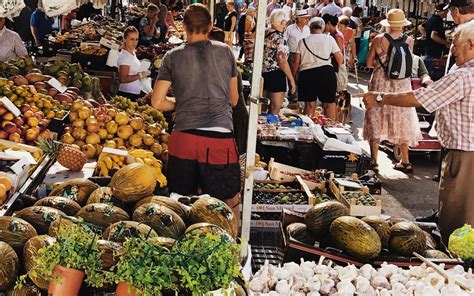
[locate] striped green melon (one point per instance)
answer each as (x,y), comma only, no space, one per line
(319,218)
(164,221)
(355,237)
(406,238)
(214,211)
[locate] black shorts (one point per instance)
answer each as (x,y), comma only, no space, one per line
(274,81)
(317,83)
(203,159)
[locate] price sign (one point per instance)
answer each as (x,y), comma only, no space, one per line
(109,43)
(10,106)
(57,85)
(119,152)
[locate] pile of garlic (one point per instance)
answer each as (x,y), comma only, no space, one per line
(313,279)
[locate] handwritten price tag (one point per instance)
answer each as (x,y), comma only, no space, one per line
(10,106)
(109,43)
(57,85)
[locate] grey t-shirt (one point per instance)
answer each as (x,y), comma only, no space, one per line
(200,75)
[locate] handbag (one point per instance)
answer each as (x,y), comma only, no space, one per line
(342,78)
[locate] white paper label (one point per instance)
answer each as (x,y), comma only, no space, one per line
(57,85)
(101,31)
(115,151)
(19,166)
(89,44)
(109,43)
(22,155)
(144,65)
(10,106)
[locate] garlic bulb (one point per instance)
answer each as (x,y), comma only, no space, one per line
(345,288)
(313,293)
(282,288)
(430,291)
(348,273)
(292,267)
(362,284)
(434,280)
(380,282)
(366,271)
(326,286)
(257,284)
(398,278)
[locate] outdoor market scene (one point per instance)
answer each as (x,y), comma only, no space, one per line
(236,147)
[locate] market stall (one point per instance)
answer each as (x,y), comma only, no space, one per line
(83,194)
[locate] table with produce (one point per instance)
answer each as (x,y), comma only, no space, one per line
(85,209)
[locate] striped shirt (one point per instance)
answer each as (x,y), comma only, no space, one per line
(452,97)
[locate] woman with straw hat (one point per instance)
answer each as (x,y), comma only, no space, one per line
(397,125)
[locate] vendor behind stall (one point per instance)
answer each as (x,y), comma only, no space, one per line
(41,25)
(11,46)
(452,98)
(149,28)
(202,151)
(129,66)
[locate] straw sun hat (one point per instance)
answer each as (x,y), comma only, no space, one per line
(395,18)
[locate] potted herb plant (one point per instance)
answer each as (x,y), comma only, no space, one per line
(207,263)
(145,268)
(65,263)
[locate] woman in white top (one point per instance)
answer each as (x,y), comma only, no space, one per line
(316,75)
(129,66)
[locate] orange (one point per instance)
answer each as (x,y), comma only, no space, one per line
(6,182)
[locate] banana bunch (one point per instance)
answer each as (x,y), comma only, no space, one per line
(146,157)
(109,162)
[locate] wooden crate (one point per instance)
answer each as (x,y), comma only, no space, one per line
(354,209)
(283,172)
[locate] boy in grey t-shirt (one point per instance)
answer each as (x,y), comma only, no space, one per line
(203,74)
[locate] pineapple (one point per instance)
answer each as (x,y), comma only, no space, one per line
(67,155)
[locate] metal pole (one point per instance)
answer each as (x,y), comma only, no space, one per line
(252,128)
(212,4)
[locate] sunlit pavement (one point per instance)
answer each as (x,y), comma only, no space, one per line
(405,196)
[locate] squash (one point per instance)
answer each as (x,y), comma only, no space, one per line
(355,237)
(30,250)
(9,267)
(205,228)
(40,217)
(318,219)
(214,211)
(120,231)
(78,190)
(68,206)
(170,203)
(15,232)
(164,221)
(382,227)
(133,182)
(110,252)
(55,225)
(102,214)
(104,195)
(299,232)
(406,238)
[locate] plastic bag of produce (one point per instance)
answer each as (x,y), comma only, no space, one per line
(461,242)
(58,7)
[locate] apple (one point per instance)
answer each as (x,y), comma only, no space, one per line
(28,114)
(24,108)
(92,120)
(46,134)
(31,135)
(10,127)
(93,127)
(8,116)
(3,110)
(18,121)
(15,137)
(3,135)
(33,121)
(78,123)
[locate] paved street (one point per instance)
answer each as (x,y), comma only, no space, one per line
(405,196)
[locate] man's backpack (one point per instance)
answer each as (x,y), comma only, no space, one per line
(399,57)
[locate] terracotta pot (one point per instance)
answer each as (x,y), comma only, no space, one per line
(123,290)
(69,282)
